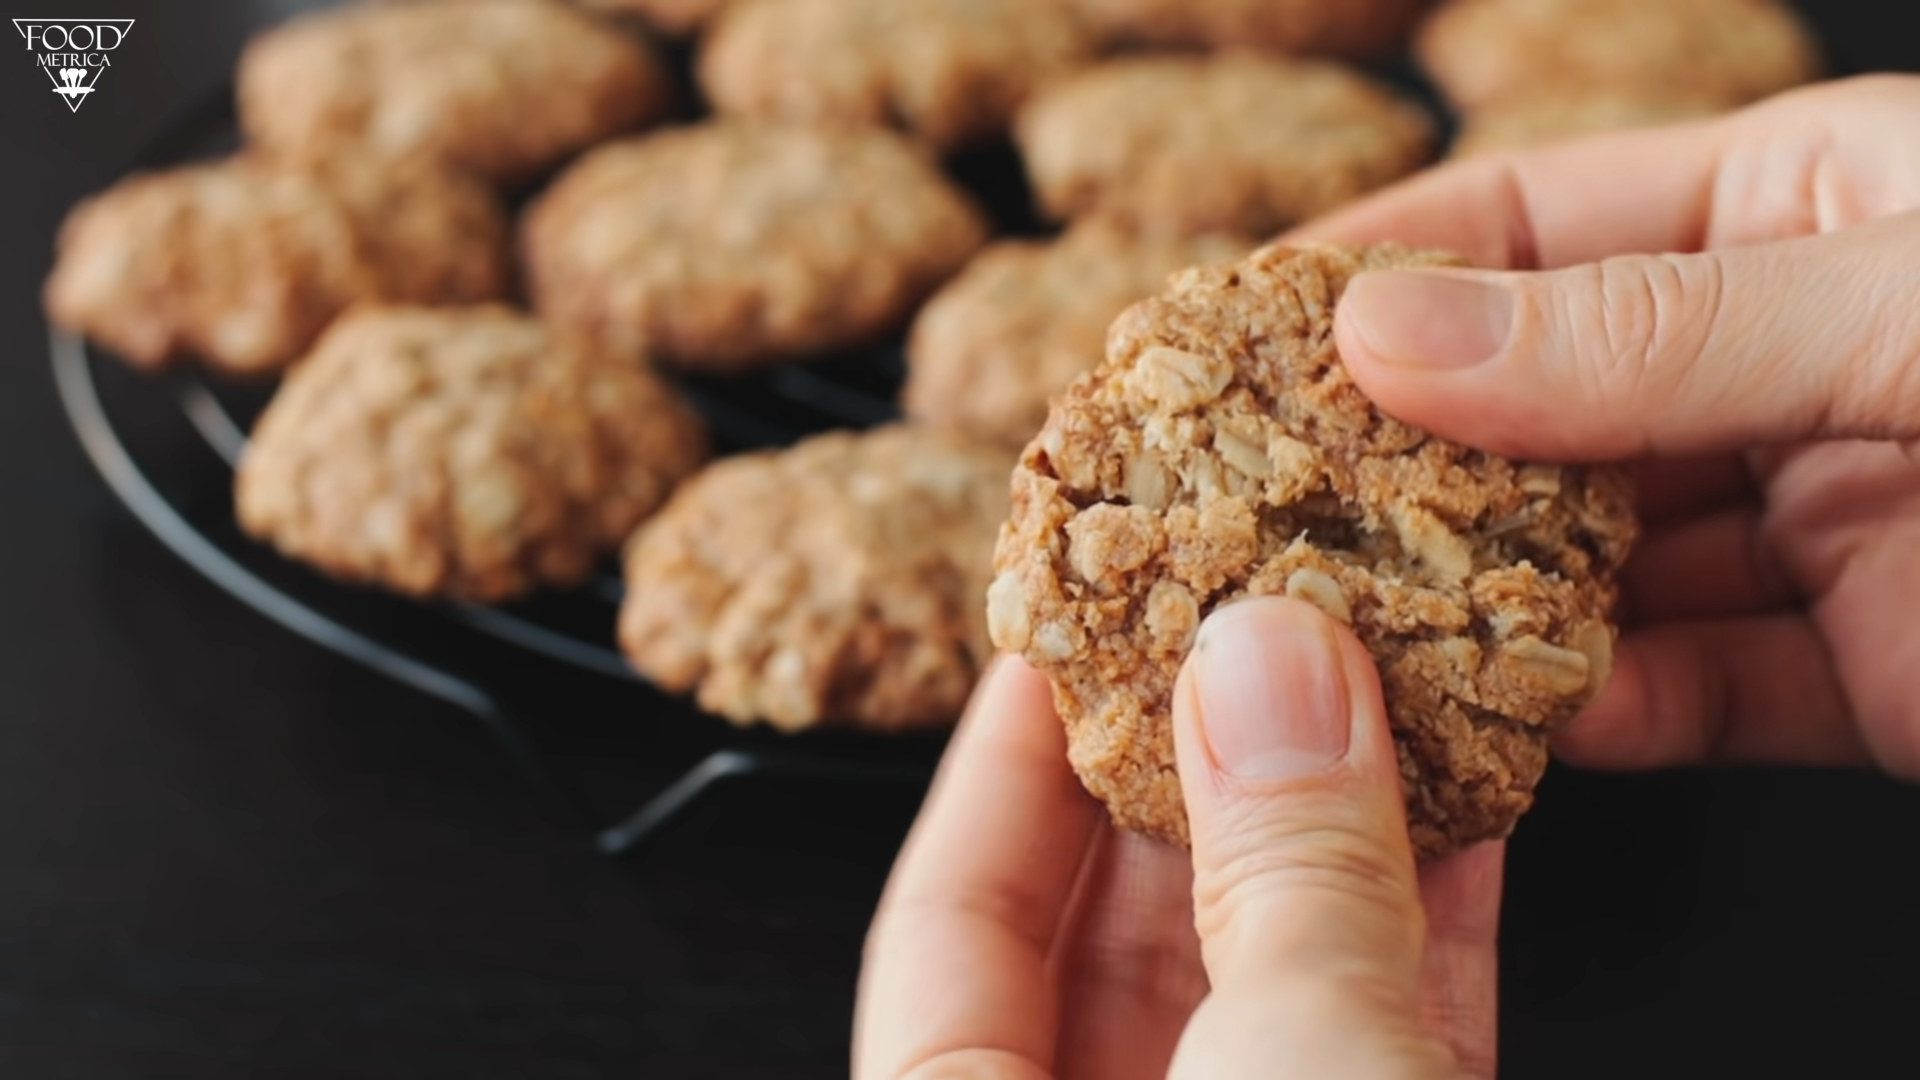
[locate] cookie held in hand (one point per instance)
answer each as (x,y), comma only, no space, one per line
(990,349)
(1222,450)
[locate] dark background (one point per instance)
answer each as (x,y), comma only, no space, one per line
(226,853)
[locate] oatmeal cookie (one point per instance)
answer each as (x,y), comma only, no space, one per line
(504,88)
(1540,120)
(242,262)
(948,71)
(1730,52)
(678,17)
(460,452)
(1351,28)
(1236,142)
(734,245)
(989,351)
(835,582)
(1222,450)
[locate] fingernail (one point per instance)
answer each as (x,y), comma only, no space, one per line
(1430,320)
(1271,689)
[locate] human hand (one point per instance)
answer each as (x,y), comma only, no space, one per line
(1767,388)
(1765,383)
(1022,936)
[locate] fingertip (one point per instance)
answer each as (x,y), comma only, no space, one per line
(1610,733)
(1461,891)
(1276,689)
(1429,321)
(1009,718)
(1008,682)
(1429,348)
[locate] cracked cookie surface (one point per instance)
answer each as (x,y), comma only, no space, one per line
(1222,450)
(460,452)
(834,582)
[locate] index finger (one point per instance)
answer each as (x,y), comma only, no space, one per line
(957,965)
(1575,202)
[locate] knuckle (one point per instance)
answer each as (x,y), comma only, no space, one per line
(1816,103)
(1145,959)
(1887,88)
(1884,386)
(1632,329)
(1272,869)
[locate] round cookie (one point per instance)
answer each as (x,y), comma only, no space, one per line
(1487,52)
(1221,451)
(460,452)
(989,351)
(834,582)
(948,71)
(729,246)
(504,88)
(241,263)
(1236,142)
(1350,28)
(1541,120)
(678,17)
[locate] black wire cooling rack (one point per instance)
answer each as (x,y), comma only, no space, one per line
(541,676)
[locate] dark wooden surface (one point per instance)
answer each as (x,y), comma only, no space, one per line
(224,853)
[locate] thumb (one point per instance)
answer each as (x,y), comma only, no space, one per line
(1304,889)
(1669,354)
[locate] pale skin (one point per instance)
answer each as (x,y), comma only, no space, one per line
(1730,307)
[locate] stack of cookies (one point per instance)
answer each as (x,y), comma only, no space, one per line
(481,242)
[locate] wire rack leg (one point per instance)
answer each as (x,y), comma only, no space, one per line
(657,813)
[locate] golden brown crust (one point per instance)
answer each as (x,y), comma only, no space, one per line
(460,452)
(837,581)
(504,88)
(1349,28)
(1237,142)
(734,245)
(1487,52)
(949,71)
(242,262)
(989,351)
(1222,451)
(1537,121)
